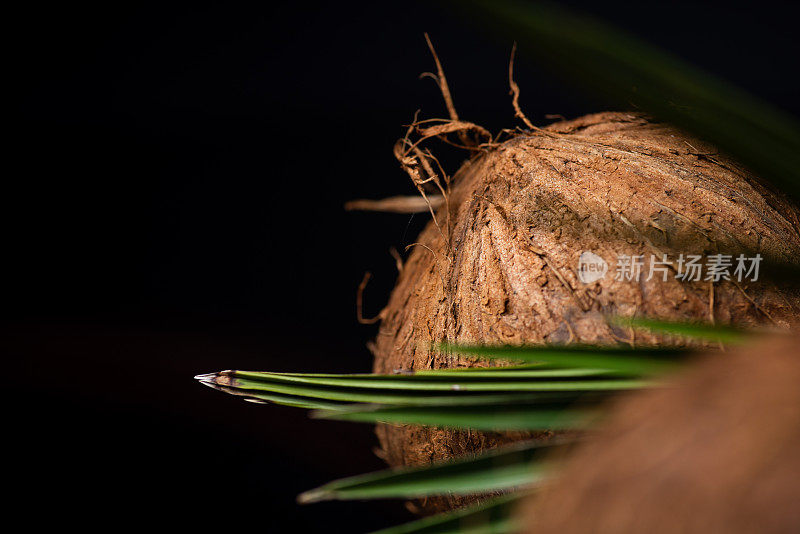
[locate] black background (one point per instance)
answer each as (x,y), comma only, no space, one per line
(173,205)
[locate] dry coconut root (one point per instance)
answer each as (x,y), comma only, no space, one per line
(498,263)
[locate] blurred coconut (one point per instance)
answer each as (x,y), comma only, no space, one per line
(718,450)
(499,265)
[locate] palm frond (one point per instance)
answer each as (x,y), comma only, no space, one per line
(518,415)
(411,390)
(491,517)
(696,331)
(510,467)
(619,359)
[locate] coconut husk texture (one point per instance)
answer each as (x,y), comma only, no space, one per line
(716,450)
(499,264)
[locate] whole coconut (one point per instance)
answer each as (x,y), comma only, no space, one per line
(505,269)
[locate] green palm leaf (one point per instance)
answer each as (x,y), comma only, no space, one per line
(249,380)
(396,389)
(697,331)
(491,517)
(500,469)
(629,361)
(518,415)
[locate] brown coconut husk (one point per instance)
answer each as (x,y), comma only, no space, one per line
(523,212)
(718,450)
(498,262)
